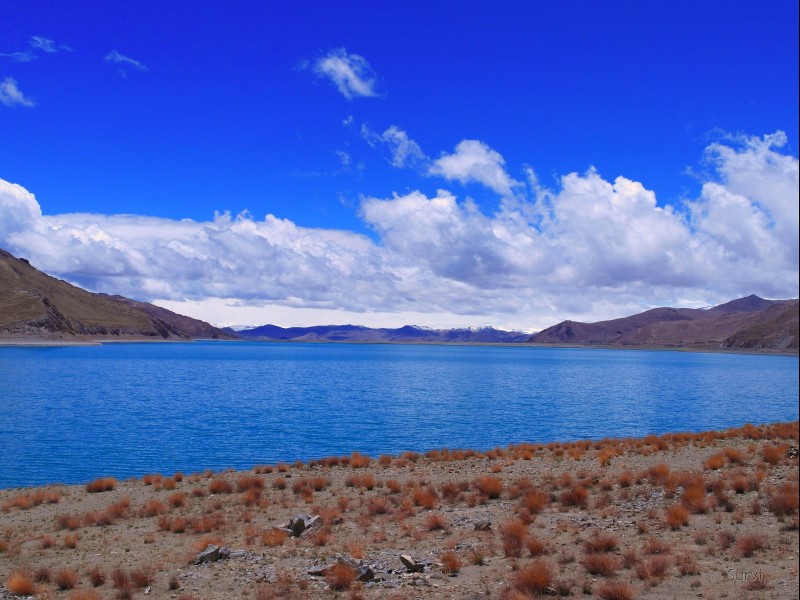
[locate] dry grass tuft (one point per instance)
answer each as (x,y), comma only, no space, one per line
(451,563)
(533,579)
(20,583)
(65,579)
(677,516)
(274,537)
(614,590)
(601,564)
(747,545)
(340,577)
(490,486)
(104,484)
(513,535)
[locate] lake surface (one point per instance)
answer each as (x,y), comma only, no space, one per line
(70,414)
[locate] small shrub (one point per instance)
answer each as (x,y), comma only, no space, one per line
(715,462)
(220,486)
(96,576)
(435,522)
(152,508)
(451,563)
(513,534)
(535,501)
(65,579)
(177,500)
(20,583)
(655,546)
(574,496)
(104,484)
(70,541)
(533,579)
(747,545)
(601,564)
(772,454)
(602,542)
(614,590)
(274,537)
(490,486)
(784,500)
(71,522)
(653,568)
(425,498)
(340,576)
(677,516)
(535,545)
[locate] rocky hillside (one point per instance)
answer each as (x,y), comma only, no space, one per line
(36,305)
(407,334)
(749,322)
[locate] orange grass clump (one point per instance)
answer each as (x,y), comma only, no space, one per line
(614,590)
(451,563)
(574,496)
(513,535)
(677,516)
(340,576)
(21,583)
(490,486)
(104,484)
(274,537)
(533,579)
(65,579)
(601,564)
(220,486)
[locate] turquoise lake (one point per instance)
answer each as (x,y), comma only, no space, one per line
(70,414)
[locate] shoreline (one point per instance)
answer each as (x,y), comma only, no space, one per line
(44,342)
(659,516)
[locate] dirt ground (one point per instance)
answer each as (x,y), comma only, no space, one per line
(710,515)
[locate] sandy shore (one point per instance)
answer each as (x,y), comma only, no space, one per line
(711,515)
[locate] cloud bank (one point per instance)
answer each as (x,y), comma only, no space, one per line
(592,248)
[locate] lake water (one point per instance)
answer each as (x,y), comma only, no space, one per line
(70,414)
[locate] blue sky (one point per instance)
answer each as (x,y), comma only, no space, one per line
(180,110)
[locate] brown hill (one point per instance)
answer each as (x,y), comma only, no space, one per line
(750,322)
(33,304)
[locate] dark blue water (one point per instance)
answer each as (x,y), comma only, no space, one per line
(71,414)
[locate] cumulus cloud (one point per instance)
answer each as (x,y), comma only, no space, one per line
(474,161)
(591,248)
(11,95)
(350,73)
(123,61)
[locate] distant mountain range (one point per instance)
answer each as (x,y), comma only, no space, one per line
(36,305)
(407,334)
(749,322)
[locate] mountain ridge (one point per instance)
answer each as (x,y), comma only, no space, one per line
(745,323)
(36,305)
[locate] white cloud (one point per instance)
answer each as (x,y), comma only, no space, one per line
(122,61)
(404,152)
(350,73)
(20,57)
(590,249)
(474,161)
(42,43)
(11,95)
